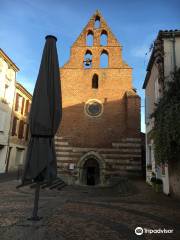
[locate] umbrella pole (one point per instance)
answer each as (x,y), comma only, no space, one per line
(35,217)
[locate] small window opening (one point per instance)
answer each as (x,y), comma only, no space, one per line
(95,81)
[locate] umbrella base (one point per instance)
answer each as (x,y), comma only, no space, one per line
(36,218)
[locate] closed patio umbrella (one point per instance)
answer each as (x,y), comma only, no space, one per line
(44,120)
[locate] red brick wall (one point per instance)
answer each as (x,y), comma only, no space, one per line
(121,115)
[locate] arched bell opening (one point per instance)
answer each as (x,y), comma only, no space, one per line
(88,59)
(97,22)
(90,38)
(104,38)
(104,59)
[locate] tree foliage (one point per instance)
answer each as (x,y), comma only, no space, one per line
(166,132)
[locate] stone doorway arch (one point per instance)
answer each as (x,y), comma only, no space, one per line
(91,168)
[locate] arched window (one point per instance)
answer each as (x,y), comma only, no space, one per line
(89,38)
(95,81)
(88,59)
(104,59)
(97,22)
(104,36)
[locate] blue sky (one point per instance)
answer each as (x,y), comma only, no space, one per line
(25,23)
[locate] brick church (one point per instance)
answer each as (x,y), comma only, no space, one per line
(99,136)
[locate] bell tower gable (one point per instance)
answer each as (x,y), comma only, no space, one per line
(98,39)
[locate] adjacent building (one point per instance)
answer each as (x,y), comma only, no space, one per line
(99,137)
(19,132)
(164,60)
(15,102)
(8,70)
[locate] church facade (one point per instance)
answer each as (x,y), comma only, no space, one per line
(99,136)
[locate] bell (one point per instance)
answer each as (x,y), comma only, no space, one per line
(88,61)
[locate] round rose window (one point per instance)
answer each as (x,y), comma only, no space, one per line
(93,108)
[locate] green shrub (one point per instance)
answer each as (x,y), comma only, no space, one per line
(153,179)
(158,181)
(166,132)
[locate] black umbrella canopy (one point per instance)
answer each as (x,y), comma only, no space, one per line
(44,118)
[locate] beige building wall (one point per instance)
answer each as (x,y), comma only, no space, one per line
(153,91)
(150,98)
(19,133)
(170,54)
(172,58)
(149,109)
(7,89)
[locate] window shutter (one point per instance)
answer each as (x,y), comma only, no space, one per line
(2,120)
(22,106)
(21,129)
(16,103)
(27,132)
(14,126)
(27,107)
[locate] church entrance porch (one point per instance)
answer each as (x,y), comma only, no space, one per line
(90,169)
(90,172)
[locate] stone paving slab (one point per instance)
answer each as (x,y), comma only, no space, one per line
(87,213)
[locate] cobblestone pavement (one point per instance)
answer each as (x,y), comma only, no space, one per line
(87,213)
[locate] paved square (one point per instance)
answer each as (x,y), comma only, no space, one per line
(88,213)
